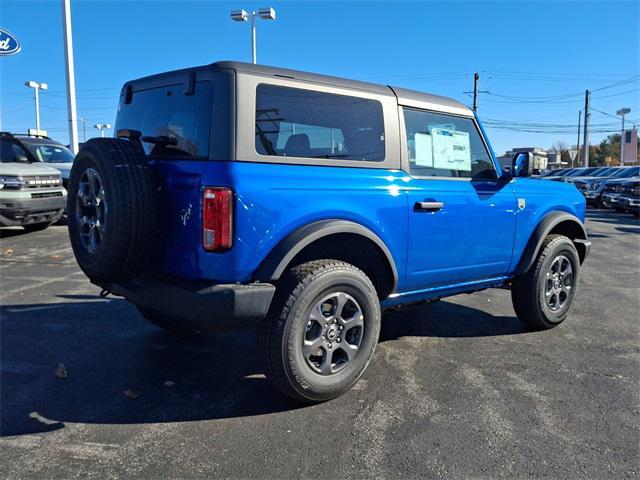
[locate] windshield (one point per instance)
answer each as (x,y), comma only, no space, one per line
(570,173)
(588,171)
(626,172)
(51,153)
(603,172)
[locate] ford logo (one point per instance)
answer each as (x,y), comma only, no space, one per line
(9,44)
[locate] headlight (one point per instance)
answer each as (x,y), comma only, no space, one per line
(7,182)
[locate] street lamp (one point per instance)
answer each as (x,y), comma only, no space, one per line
(37,87)
(622,112)
(242,16)
(102,127)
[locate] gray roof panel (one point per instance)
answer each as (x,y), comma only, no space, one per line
(306,76)
(427,101)
(409,98)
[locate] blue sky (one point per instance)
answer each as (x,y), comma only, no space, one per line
(535,58)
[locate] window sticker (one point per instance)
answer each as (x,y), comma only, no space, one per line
(451,149)
(423,149)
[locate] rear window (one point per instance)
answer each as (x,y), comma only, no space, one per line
(168,112)
(292,122)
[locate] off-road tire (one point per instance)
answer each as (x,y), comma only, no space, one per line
(166,323)
(37,227)
(528,289)
(280,334)
(132,227)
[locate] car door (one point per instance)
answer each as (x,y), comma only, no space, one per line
(462,216)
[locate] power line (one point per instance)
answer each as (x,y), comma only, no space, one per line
(604,113)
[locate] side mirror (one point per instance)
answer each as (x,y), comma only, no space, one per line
(21,159)
(522,165)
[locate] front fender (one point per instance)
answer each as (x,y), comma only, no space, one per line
(567,224)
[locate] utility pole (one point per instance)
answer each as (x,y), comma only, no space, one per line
(578,144)
(587,115)
(476,77)
(71,79)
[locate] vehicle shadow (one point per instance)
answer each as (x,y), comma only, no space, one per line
(635,229)
(608,216)
(12,232)
(446,319)
(107,349)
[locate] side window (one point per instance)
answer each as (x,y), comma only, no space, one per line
(292,122)
(442,145)
(167,111)
(10,150)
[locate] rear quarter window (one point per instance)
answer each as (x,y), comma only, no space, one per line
(167,111)
(294,122)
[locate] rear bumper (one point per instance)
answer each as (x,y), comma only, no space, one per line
(196,304)
(28,211)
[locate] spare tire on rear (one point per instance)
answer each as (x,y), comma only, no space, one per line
(113,210)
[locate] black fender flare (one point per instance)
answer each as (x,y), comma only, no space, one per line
(273,266)
(546,225)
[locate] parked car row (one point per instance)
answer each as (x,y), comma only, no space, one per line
(34,172)
(610,187)
(622,195)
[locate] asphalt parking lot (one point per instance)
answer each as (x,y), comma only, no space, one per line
(456,389)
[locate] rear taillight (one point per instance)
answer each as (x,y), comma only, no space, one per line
(217,219)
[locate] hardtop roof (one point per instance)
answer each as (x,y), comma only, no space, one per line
(405,96)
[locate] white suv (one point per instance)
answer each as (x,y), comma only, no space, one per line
(31,193)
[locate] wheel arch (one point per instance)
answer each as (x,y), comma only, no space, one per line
(337,239)
(562,223)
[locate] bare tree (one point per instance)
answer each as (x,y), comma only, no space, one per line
(563,149)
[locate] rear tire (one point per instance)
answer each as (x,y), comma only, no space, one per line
(113,210)
(37,227)
(321,331)
(542,297)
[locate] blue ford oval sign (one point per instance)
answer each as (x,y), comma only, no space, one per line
(9,44)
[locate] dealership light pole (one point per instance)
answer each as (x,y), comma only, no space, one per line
(84,129)
(622,112)
(242,16)
(102,127)
(71,80)
(37,87)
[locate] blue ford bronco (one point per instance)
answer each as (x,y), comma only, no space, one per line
(237,195)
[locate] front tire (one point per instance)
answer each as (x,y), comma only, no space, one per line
(542,297)
(321,331)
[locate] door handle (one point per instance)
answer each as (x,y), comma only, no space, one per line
(428,206)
